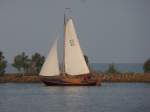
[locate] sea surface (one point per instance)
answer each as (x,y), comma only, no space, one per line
(121,67)
(110,97)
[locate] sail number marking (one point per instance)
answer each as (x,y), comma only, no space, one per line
(71,42)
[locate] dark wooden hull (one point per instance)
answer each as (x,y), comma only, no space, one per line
(71,81)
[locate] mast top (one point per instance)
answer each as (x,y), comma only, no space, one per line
(67,14)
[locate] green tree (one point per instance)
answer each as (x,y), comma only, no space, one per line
(3,63)
(87,61)
(22,63)
(146,66)
(17,63)
(111,69)
(36,63)
(25,62)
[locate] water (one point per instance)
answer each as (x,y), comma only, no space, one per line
(122,67)
(110,97)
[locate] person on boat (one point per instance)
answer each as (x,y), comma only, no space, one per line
(86,77)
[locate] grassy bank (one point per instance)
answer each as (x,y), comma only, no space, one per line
(27,78)
(124,77)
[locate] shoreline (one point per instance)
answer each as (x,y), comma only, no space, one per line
(14,78)
(124,77)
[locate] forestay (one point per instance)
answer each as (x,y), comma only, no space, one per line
(51,66)
(74,59)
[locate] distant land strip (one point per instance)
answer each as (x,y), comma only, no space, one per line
(124,77)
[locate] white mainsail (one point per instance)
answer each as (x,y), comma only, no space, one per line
(51,66)
(73,57)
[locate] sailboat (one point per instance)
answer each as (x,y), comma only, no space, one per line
(75,71)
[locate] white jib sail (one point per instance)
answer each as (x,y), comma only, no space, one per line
(51,66)
(74,60)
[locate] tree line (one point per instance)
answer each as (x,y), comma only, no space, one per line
(32,65)
(23,63)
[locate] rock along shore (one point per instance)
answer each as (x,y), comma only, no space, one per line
(123,77)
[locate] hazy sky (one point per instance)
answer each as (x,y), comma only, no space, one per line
(109,30)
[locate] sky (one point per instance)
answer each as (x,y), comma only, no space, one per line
(110,31)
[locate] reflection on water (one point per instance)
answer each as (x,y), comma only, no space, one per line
(110,97)
(72,90)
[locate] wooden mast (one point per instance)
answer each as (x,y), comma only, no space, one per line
(63,65)
(65,19)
